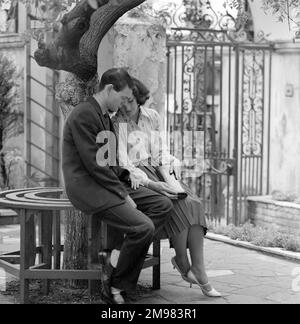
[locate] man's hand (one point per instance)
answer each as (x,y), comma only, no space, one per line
(175,167)
(131,202)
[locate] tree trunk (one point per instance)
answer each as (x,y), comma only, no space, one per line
(69,94)
(75,246)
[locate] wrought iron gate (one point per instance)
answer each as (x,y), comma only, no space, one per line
(218,104)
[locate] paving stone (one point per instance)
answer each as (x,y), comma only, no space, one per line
(244,299)
(179,295)
(260,291)
(212,301)
(237,280)
(285,298)
(219,273)
(223,288)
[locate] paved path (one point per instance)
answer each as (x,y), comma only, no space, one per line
(243,276)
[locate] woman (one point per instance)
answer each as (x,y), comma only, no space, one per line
(135,125)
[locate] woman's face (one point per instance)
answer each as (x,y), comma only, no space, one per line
(130,107)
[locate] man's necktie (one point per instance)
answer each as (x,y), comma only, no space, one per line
(106,121)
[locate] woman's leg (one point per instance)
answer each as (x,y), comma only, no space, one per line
(179,243)
(196,246)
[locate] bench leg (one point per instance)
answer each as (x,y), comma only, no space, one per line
(27,251)
(24,290)
(46,243)
(156,268)
(56,239)
(94,247)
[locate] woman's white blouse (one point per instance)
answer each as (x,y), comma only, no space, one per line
(143,142)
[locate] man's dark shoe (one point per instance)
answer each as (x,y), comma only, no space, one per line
(117,296)
(108,295)
(105,273)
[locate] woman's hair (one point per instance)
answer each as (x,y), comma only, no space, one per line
(118,77)
(140,92)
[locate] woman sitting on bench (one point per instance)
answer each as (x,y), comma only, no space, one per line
(135,124)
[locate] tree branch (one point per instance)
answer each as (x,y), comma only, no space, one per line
(76,46)
(101,22)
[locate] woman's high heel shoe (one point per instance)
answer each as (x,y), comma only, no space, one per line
(183,275)
(207,289)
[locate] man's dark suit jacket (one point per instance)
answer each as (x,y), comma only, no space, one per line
(90,188)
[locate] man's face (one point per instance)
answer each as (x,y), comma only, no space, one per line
(117,100)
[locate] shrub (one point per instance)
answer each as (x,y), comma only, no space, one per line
(7,71)
(289,196)
(266,237)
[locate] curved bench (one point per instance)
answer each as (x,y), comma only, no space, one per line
(40,208)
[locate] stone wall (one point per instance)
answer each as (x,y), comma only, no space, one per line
(283,216)
(140,45)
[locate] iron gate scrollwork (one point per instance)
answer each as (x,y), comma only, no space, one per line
(218,108)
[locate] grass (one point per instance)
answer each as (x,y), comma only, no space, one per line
(266,237)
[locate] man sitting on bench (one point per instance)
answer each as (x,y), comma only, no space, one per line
(95,185)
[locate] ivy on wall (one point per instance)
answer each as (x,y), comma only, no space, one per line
(7,83)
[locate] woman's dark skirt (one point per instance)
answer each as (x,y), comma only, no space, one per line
(187,212)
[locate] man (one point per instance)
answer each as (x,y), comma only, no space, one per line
(103,190)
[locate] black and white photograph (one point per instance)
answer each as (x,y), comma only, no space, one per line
(149,155)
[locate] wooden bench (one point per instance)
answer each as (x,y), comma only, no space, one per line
(39,208)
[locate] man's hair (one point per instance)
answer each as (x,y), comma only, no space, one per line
(118,77)
(140,92)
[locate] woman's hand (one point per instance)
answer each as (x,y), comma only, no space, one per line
(138,178)
(135,182)
(175,167)
(162,188)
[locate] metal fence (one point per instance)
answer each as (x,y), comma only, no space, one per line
(218,108)
(42,127)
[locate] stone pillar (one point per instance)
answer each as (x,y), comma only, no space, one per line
(285,118)
(139,45)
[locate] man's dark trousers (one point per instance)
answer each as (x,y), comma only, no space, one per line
(140,226)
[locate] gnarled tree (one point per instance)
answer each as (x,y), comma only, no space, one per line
(76,45)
